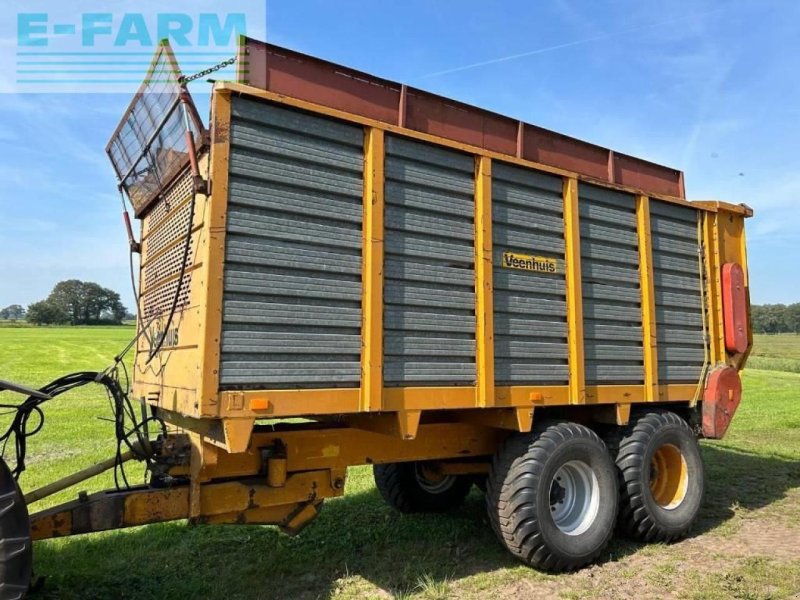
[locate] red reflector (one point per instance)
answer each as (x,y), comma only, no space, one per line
(720,401)
(734,308)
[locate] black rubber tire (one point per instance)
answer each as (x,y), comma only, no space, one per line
(633,447)
(518,496)
(400,487)
(16,550)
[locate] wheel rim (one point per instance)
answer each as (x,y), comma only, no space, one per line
(431,480)
(574,497)
(669,476)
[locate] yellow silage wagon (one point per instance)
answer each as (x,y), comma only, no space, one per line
(342,270)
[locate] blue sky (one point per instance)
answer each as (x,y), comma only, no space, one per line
(711,88)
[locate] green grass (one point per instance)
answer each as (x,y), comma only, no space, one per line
(779,352)
(14,324)
(359,548)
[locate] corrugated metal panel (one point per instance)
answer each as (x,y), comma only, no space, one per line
(530,328)
(611,292)
(676,271)
(292,298)
(429,295)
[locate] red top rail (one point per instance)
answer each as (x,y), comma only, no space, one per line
(304,77)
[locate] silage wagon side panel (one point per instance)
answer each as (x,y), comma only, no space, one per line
(678,282)
(429,271)
(291,313)
(612,309)
(530,327)
(297,275)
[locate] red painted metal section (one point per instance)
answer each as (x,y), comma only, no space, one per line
(734,308)
(307,78)
(638,173)
(460,122)
(550,148)
(721,399)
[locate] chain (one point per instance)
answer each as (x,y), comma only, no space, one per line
(201,74)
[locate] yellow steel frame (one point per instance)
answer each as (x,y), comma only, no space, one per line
(306,463)
(714,288)
(723,241)
(572,267)
(246,500)
(649,342)
(372,272)
(484,308)
(510,404)
(208,386)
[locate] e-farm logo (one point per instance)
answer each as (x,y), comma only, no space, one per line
(181,30)
(107,46)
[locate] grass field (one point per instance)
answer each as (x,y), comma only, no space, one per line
(13,324)
(746,545)
(776,352)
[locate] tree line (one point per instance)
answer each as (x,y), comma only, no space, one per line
(72,302)
(775,318)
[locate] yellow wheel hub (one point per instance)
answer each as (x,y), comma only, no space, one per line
(669,476)
(430,473)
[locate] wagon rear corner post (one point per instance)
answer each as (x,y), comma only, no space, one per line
(342,270)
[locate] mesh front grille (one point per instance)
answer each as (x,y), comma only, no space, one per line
(175,199)
(166,265)
(159,301)
(162,250)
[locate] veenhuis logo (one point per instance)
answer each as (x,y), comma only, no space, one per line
(527,262)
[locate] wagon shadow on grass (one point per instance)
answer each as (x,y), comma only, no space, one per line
(355,537)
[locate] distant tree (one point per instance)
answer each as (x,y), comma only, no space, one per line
(14,312)
(45,312)
(69,296)
(82,303)
(793,317)
(775,318)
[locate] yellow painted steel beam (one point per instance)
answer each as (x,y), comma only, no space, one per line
(536,395)
(711,248)
(272,404)
(111,510)
(572,243)
(219,498)
(611,394)
(213,257)
(245,500)
(724,241)
(746,269)
(308,448)
(421,398)
(484,307)
(513,419)
(371,397)
(372,439)
(676,392)
(647,286)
